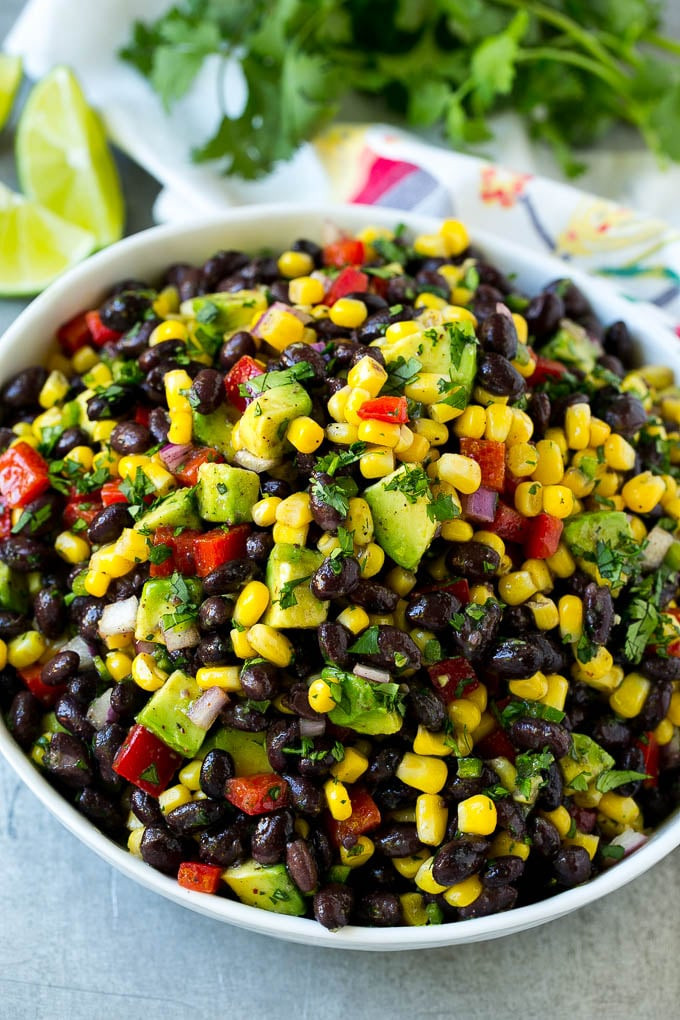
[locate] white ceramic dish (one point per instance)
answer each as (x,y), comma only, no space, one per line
(253,228)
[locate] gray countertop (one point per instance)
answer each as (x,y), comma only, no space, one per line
(77,940)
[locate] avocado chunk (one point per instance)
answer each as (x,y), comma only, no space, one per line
(247,750)
(449,349)
(13,590)
(226,494)
(165,714)
(586,759)
(403,527)
(226,310)
(371,708)
(214,430)
(287,565)
(160,599)
(268,887)
(603,543)
(572,346)
(262,428)
(177,510)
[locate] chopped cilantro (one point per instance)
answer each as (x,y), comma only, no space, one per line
(287,597)
(614,851)
(367,642)
(612,778)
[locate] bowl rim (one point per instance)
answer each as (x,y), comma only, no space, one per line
(302,930)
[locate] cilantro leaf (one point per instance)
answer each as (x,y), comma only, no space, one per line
(367,642)
(613,778)
(287,597)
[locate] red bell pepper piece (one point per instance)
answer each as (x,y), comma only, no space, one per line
(460,588)
(364,818)
(23,475)
(348,281)
(649,746)
(496,744)
(509,525)
(111,494)
(145,761)
(81,509)
(245,368)
(32,678)
(258,794)
(346,252)
(546,369)
(390,409)
(452,678)
(100,333)
(74,334)
(490,455)
(164,536)
(188,469)
(217,547)
(543,536)
(203,878)
(142,415)
(5,521)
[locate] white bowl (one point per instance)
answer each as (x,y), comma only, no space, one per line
(252,229)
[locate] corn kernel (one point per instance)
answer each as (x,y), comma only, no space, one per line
(379,433)
(477,815)
(529,498)
(371,559)
(455,236)
(251,603)
(522,428)
(337,800)
(171,329)
(134,843)
(25,649)
(119,665)
(348,313)
(264,511)
(295,511)
(462,894)
(544,611)
(282,533)
(306,290)
(417,451)
(424,878)
(428,743)
(587,840)
(472,422)
(71,548)
(96,583)
(146,674)
(629,698)
(354,618)
(422,773)
(281,328)
(550,467)
(54,389)
(352,766)
(540,574)
(360,521)
(642,493)
(561,563)
(426,388)
(577,426)
(664,732)
(522,459)
(241,645)
(620,809)
(376,463)
(359,853)
(533,688)
(295,263)
(463,473)
(227,678)
(305,434)
(320,697)
(499,420)
(431,245)
(367,375)
(271,644)
(674,709)
(173,798)
(506,845)
(516,587)
(431,819)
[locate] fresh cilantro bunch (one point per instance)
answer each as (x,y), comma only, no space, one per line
(570,68)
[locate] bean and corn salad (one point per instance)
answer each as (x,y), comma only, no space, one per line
(343,582)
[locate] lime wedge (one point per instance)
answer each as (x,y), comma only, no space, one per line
(64,161)
(35,245)
(10,78)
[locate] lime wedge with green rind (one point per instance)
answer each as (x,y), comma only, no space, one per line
(64,161)
(35,245)
(10,79)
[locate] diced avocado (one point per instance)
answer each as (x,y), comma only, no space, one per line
(159,599)
(572,346)
(247,749)
(402,528)
(268,887)
(13,590)
(586,759)
(214,430)
(178,510)
(339,873)
(371,708)
(226,494)
(235,309)
(286,565)
(165,714)
(262,428)
(449,349)
(603,543)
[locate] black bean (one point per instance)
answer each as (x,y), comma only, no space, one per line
(237,346)
(611,364)
(195,816)
(432,610)
(658,668)
(397,840)
(625,413)
(545,837)
(136,341)
(374,326)
(159,424)
(511,817)
(72,716)
(244,717)
(259,544)
(550,795)
(89,617)
(473,560)
(302,866)
(319,760)
(335,578)
(491,901)
(213,650)
(216,769)
(517,619)
(473,637)
(618,341)
(459,788)
(159,353)
(297,699)
(12,624)
(259,680)
(392,794)
(68,760)
(25,718)
(458,860)
(553,655)
(333,905)
(334,640)
(543,314)
(384,764)
(305,797)
(50,612)
(122,311)
(98,808)
(656,705)
(227,578)
(427,708)
(576,304)
(207,391)
(126,699)
(497,333)
(536,734)
(538,409)
(611,733)
(572,865)
(23,389)
(24,554)
(503,871)
(131,584)
(270,835)
(109,523)
(41,515)
(513,658)
(146,808)
(7,436)
(115,403)
(372,301)
(486,300)
(282,734)
(60,668)
(376,598)
(162,850)
(296,353)
(498,376)
(84,686)
(227,846)
(326,516)
(219,265)
(310,248)
(381,909)
(107,742)
(130,437)
(214,612)
(396,650)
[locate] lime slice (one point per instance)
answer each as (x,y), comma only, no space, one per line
(63,158)
(35,245)
(10,78)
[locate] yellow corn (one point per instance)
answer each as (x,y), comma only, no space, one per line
(550,466)
(577,426)
(426,388)
(348,312)
(377,462)
(295,511)
(359,853)
(190,775)
(371,559)
(173,798)
(251,603)
(271,644)
(533,688)
(457,531)
(337,403)
(455,236)
(599,432)
(400,580)
(620,809)
(96,583)
(71,548)
(181,426)
(132,545)
(664,732)
(306,290)
(464,715)
(295,263)
(422,773)
(491,540)
(281,328)
(241,645)
(499,420)
(177,385)
(424,879)
(409,866)
(516,587)
(412,904)
(146,673)
(320,697)
(629,698)
(54,389)
(463,473)
(417,451)
(356,399)
(587,840)
(282,533)
(379,433)
(354,618)
(119,665)
(359,521)
(505,844)
(337,800)
(305,434)
(171,329)
(264,511)
(545,612)
(25,649)
(558,501)
(540,574)
(134,842)
(472,422)
(227,678)
(522,428)
(619,455)
(522,459)
(529,498)
(674,709)
(477,815)
(84,359)
(431,819)
(642,493)
(428,743)
(352,766)
(556,694)
(367,375)
(462,894)
(561,563)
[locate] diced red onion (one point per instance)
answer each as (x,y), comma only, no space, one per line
(79,644)
(173,456)
(279,306)
(148,647)
(502,309)
(630,840)
(312,727)
(253,463)
(480,506)
(99,710)
(378,676)
(181,636)
(205,710)
(119,617)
